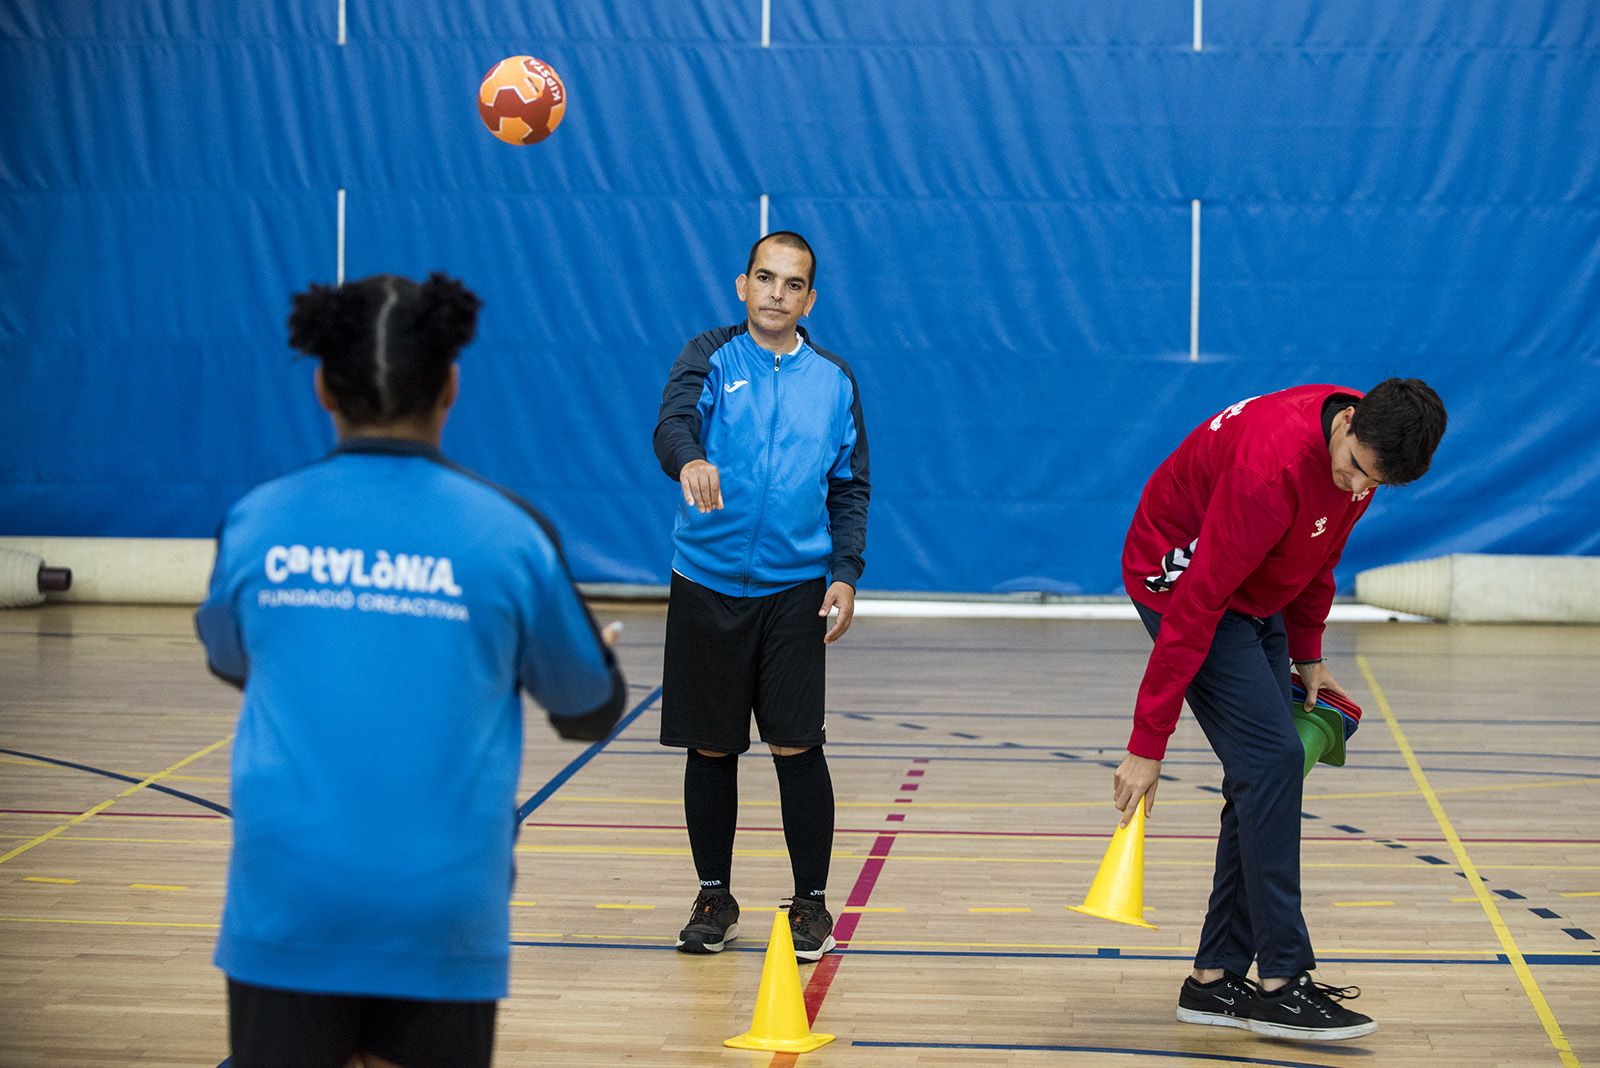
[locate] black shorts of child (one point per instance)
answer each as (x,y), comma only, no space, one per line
(729,656)
(271,1028)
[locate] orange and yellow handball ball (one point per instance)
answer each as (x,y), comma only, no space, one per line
(522,100)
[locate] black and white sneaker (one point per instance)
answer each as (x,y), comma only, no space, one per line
(811,927)
(1309,1011)
(1225,1002)
(713,923)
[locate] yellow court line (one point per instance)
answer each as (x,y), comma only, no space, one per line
(105,923)
(1582,893)
(1443,791)
(940,858)
(154,886)
(635,851)
(524,904)
(949,834)
(1519,964)
(1384,951)
(1538,867)
(47,879)
(102,806)
(841,911)
(1360,904)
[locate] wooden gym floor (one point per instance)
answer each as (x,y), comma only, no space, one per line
(1452,870)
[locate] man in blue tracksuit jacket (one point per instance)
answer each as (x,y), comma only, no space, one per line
(380,610)
(765,435)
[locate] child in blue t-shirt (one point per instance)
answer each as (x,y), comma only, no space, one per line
(381,609)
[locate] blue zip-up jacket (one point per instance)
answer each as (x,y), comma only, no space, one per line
(789,442)
(380,609)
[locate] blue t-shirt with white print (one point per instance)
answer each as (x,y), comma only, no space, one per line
(381,609)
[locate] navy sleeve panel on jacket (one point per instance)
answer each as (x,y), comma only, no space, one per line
(567,668)
(217,623)
(849,490)
(677,436)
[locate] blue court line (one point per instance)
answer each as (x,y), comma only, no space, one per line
(157,787)
(1124,1051)
(543,793)
(1495,961)
(1110,761)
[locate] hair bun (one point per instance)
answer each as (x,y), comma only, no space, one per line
(448,317)
(325,321)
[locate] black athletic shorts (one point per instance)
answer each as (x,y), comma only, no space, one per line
(729,656)
(270,1028)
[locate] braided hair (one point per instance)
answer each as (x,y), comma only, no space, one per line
(386,343)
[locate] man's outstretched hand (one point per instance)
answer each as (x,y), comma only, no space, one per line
(1137,777)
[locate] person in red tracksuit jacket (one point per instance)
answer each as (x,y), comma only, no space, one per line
(1229,561)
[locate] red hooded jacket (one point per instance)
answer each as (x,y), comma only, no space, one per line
(1245,516)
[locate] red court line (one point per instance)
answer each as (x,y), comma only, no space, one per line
(822,975)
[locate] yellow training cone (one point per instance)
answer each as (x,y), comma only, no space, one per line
(780,1023)
(1118,889)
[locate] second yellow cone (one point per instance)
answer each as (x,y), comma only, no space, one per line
(780,1024)
(1117,892)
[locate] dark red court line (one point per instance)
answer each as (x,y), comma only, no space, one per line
(845,928)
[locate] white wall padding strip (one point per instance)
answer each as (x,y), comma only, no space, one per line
(127,570)
(1478,588)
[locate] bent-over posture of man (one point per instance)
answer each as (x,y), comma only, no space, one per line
(1230,562)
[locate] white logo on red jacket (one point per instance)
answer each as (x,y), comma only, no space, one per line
(1230,411)
(1322,527)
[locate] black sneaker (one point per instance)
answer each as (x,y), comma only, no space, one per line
(811,927)
(714,922)
(1307,1010)
(1225,1002)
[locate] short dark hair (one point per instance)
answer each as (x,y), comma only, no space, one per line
(1401,420)
(386,343)
(793,240)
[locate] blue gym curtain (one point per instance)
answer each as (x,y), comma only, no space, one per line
(1000,193)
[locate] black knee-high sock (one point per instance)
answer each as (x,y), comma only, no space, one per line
(711,810)
(806,791)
